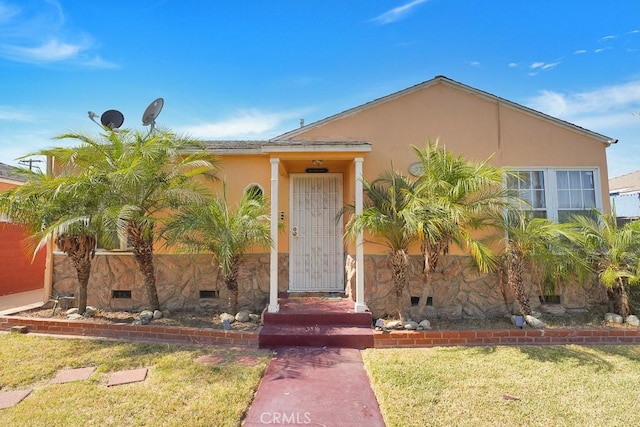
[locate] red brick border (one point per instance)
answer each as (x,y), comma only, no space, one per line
(132,332)
(202,336)
(505,337)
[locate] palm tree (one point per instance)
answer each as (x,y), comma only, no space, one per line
(543,248)
(614,254)
(385,217)
(64,209)
(224,232)
(147,174)
(454,197)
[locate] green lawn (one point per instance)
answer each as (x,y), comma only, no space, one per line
(177,391)
(556,385)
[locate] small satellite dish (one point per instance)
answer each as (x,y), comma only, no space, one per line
(112,119)
(152,112)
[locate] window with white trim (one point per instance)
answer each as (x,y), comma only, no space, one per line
(558,193)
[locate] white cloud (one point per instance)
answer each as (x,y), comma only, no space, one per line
(601,108)
(38,33)
(397,13)
(474,64)
(580,52)
(512,65)
(13,114)
(544,65)
(607,38)
(246,124)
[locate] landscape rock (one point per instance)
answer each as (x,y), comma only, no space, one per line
(72,311)
(425,324)
(90,311)
(146,316)
(534,322)
(243,316)
(254,317)
(74,316)
(157,314)
(632,320)
(228,317)
(517,320)
(393,324)
(613,318)
(410,325)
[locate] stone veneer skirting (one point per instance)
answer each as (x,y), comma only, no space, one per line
(458,290)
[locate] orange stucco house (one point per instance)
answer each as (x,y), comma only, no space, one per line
(311,172)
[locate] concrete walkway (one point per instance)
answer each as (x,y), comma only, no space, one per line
(15,303)
(315,386)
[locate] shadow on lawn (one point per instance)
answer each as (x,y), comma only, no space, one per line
(582,356)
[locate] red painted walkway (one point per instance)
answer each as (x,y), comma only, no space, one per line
(315,386)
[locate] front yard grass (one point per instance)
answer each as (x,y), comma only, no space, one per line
(473,386)
(177,391)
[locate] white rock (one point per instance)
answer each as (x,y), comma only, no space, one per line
(632,320)
(410,325)
(157,314)
(254,317)
(90,311)
(613,318)
(228,317)
(72,311)
(534,322)
(393,324)
(146,316)
(74,316)
(243,316)
(425,324)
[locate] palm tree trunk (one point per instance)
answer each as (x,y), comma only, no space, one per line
(81,250)
(430,257)
(143,254)
(231,280)
(399,266)
(619,298)
(515,278)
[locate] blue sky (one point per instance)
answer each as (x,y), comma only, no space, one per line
(252,69)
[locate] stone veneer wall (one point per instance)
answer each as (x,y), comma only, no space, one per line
(179,280)
(459,291)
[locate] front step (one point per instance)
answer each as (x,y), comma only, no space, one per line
(272,336)
(316,322)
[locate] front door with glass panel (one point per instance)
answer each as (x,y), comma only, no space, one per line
(315,237)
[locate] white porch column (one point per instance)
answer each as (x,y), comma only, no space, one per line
(360,306)
(274,307)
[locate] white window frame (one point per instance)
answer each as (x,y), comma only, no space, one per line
(551,186)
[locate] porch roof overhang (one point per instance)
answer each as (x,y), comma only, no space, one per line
(269,147)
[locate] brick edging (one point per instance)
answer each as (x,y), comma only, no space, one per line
(179,335)
(505,337)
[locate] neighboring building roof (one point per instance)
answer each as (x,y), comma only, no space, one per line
(625,184)
(273,146)
(11,173)
(445,80)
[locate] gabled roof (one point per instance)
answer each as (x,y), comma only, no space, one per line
(625,184)
(447,81)
(11,173)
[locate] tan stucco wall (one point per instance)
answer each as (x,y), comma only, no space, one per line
(468,124)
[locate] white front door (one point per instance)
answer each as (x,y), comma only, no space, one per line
(315,237)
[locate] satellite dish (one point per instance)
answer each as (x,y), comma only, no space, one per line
(152,112)
(112,119)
